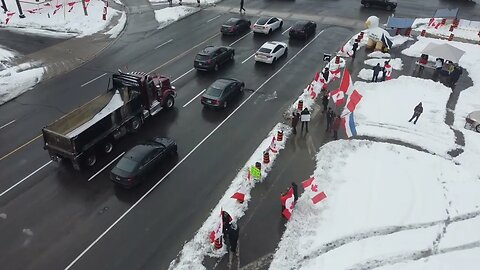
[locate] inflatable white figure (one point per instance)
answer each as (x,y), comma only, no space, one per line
(375,34)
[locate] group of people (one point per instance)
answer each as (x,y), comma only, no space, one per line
(303,117)
(377,69)
(449,70)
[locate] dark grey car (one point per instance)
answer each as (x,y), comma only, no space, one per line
(212,57)
(221,92)
(132,168)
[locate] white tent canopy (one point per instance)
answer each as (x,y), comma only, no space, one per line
(444,51)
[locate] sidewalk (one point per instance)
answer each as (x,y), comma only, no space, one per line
(71,53)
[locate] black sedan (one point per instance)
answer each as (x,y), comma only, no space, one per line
(302,30)
(234,26)
(221,92)
(212,57)
(386,4)
(132,168)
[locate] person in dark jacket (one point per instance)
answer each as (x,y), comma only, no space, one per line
(305,118)
(326,74)
(336,127)
(416,113)
(354,49)
(295,119)
(295,191)
(325,102)
(241,7)
(226,220)
(330,116)
(455,75)
(233,232)
(376,71)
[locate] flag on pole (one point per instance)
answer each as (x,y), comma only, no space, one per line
(388,43)
(318,195)
(346,86)
(289,200)
(338,97)
(239,196)
(353,100)
(335,74)
(348,123)
(218,232)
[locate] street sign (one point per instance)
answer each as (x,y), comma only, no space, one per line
(327,57)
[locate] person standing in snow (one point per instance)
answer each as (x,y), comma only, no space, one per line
(336,127)
(325,102)
(330,116)
(305,118)
(179,2)
(416,113)
(198,3)
(326,74)
(376,71)
(295,191)
(226,220)
(233,232)
(295,119)
(455,75)
(241,7)
(354,49)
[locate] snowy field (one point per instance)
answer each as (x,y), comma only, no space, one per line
(170,15)
(387,106)
(466,29)
(18,79)
(387,205)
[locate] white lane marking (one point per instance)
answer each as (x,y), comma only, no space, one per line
(186,104)
(97,173)
(248,58)
(25,178)
(286,30)
(231,44)
(93,79)
(184,158)
(11,122)
(181,76)
(216,17)
(164,43)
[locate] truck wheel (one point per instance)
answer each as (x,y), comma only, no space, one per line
(477,128)
(91,159)
(108,147)
(169,102)
(135,124)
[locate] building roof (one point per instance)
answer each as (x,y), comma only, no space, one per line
(394,22)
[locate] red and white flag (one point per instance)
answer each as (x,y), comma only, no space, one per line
(338,97)
(218,232)
(310,184)
(346,85)
(335,74)
(71,5)
(273,145)
(353,100)
(9,15)
(289,200)
(57,8)
(239,196)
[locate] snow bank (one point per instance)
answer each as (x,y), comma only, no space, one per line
(194,251)
(387,106)
(466,29)
(117,29)
(18,79)
(471,152)
(6,55)
(396,63)
(366,74)
(376,207)
(39,16)
(175,2)
(169,15)
(378,54)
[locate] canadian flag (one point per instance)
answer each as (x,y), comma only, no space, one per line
(289,200)
(335,74)
(346,85)
(273,145)
(338,97)
(310,183)
(239,196)
(353,100)
(57,8)
(218,232)
(71,5)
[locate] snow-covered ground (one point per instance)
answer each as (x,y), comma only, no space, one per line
(466,29)
(188,2)
(18,79)
(170,15)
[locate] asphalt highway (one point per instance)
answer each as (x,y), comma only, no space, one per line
(54,217)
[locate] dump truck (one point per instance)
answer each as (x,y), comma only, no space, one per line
(81,135)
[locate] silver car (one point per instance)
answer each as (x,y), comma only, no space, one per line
(473,121)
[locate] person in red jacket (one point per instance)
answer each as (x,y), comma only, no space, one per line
(336,127)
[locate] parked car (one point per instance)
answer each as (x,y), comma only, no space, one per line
(266,25)
(234,26)
(132,168)
(302,29)
(386,4)
(212,57)
(473,121)
(271,51)
(222,91)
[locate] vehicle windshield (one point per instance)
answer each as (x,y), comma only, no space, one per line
(201,57)
(126,164)
(231,22)
(264,50)
(298,26)
(214,90)
(262,21)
